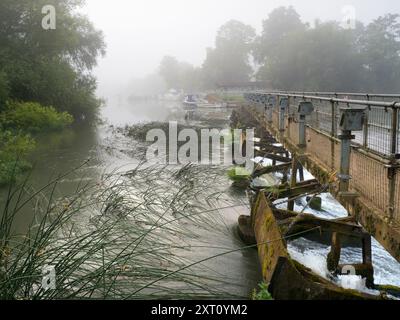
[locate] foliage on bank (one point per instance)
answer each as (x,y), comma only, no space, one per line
(262,293)
(18,122)
(34,118)
(45,75)
(238,174)
(13,151)
(51,67)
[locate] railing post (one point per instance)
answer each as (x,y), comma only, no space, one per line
(345,150)
(302,131)
(293,180)
(270,107)
(366,125)
(305,109)
(284,102)
(351,120)
(395,129)
(334,119)
(277,101)
(317,115)
(276,107)
(394,166)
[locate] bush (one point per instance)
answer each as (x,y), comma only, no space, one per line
(33,117)
(239,174)
(262,294)
(13,149)
(16,122)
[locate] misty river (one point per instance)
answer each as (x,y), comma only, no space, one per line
(109,150)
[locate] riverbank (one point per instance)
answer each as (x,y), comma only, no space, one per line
(20,123)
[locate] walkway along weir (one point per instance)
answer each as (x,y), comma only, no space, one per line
(355,140)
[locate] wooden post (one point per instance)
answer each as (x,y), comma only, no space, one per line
(334,256)
(293,181)
(301,173)
(366,249)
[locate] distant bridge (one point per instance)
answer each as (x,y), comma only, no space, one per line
(353,136)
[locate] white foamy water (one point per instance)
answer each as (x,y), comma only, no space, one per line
(313,255)
(386,268)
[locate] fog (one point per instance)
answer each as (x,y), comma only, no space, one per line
(139,33)
(148,195)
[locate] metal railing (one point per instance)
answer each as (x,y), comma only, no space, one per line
(372,163)
(381,132)
(348,95)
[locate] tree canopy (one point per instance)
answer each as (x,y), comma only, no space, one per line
(327,57)
(180,75)
(229,60)
(292,55)
(51,67)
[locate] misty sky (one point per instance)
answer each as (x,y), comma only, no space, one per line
(139,33)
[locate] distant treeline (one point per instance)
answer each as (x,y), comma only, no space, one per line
(292,55)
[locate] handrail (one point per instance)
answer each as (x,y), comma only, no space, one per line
(387,121)
(383,104)
(354,94)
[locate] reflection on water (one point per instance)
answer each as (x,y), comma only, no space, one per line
(141,111)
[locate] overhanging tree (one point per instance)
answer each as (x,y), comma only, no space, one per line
(52,67)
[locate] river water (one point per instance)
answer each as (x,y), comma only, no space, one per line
(110,150)
(313,254)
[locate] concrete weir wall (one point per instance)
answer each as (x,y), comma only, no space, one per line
(368,195)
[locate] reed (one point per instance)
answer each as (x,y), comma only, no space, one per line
(127,235)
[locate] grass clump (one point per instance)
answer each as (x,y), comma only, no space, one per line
(239,174)
(262,294)
(126,236)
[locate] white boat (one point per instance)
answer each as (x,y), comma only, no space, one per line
(191,102)
(194,101)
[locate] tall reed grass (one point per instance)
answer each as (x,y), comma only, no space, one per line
(129,235)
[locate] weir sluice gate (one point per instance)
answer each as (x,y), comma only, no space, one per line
(274,223)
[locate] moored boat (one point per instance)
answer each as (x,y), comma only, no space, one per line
(191,102)
(195,101)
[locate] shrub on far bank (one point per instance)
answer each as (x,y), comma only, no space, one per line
(33,118)
(17,122)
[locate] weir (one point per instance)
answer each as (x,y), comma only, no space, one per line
(351,147)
